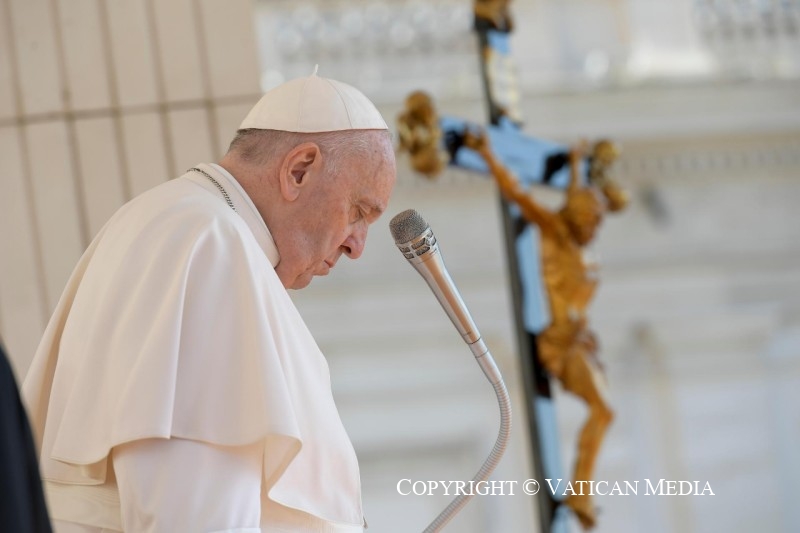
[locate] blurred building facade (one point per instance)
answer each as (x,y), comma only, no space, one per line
(698,311)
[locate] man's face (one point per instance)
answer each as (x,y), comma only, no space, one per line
(583,215)
(336,214)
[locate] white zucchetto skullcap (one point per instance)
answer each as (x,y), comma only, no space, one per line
(313,105)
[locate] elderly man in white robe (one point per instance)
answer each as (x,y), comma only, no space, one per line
(176,388)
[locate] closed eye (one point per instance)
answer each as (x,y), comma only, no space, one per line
(356,214)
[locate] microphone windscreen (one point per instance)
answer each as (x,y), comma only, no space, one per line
(407,226)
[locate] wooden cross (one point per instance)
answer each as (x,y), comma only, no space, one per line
(552,283)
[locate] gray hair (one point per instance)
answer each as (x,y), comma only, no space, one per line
(267,147)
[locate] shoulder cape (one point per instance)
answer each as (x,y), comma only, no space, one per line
(175,324)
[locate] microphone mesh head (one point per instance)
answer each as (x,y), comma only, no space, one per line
(407,225)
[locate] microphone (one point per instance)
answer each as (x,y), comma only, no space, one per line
(416,241)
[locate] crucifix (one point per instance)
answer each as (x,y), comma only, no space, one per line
(552,281)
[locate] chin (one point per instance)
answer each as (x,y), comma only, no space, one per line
(301,284)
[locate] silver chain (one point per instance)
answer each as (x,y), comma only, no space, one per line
(216,183)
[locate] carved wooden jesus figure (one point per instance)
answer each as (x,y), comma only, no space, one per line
(567,347)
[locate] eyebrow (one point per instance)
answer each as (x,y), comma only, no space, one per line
(373,207)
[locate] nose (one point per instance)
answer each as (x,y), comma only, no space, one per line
(353,245)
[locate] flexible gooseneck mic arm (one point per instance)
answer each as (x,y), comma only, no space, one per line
(414,238)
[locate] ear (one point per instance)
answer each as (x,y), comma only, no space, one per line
(296,167)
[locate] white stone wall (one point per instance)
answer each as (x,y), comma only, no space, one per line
(100,101)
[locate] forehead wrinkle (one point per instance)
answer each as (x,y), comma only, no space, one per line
(372,176)
(371,184)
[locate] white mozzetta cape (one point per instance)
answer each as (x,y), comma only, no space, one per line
(175,324)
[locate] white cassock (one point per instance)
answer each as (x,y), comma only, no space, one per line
(174,325)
